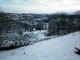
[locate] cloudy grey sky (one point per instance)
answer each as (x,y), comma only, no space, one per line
(39,6)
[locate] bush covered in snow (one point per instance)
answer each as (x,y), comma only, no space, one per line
(15,40)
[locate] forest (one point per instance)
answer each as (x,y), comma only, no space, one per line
(13,26)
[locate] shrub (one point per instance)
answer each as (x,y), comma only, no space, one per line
(14,40)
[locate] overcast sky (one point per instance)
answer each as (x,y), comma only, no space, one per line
(39,6)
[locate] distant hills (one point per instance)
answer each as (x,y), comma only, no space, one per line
(77,12)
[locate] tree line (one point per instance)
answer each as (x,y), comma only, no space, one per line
(62,23)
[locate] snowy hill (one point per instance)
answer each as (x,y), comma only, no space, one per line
(61,48)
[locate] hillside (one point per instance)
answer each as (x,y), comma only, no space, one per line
(61,48)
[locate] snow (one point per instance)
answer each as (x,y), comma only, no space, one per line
(61,48)
(41,35)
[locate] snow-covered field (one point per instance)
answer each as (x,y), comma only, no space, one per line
(42,35)
(61,48)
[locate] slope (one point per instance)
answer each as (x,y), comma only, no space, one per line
(61,48)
